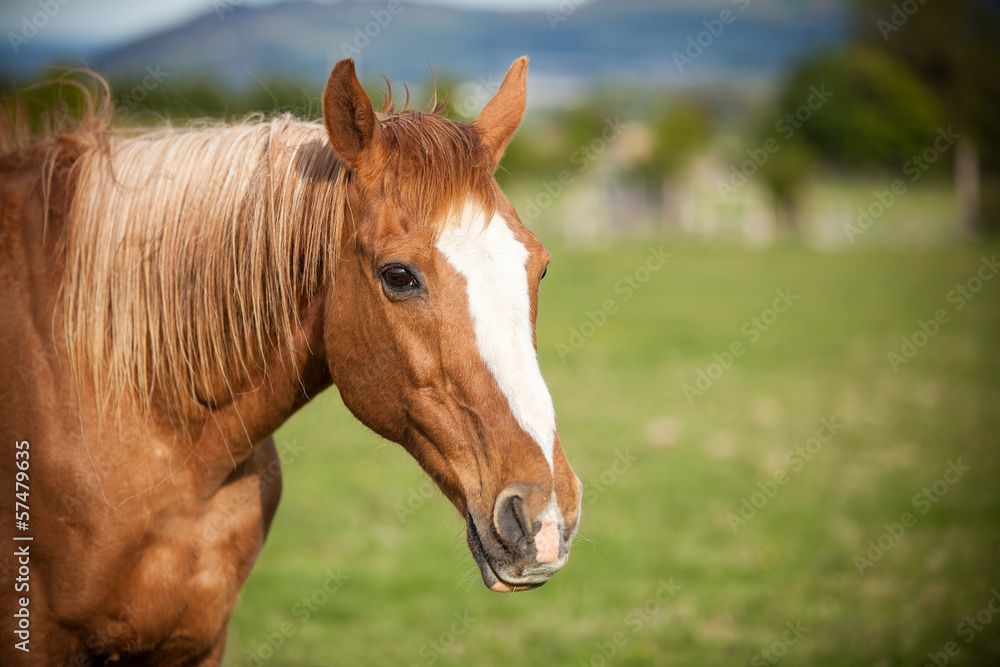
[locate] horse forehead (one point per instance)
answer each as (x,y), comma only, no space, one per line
(496,236)
(495,251)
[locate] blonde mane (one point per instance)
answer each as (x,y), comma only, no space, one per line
(189,253)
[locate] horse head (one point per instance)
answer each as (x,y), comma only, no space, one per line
(430,325)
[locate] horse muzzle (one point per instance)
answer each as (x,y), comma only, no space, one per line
(517,552)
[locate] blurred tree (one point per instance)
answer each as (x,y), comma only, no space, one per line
(457,106)
(175,100)
(856,108)
(954,48)
(279,94)
(675,138)
(521,160)
(545,147)
(785,174)
(580,125)
(877,113)
(145,101)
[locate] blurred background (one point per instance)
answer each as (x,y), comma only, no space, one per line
(771,326)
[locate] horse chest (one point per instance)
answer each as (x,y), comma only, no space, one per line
(160,571)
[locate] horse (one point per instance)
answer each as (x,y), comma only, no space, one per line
(171,296)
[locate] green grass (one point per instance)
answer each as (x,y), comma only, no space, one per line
(665,516)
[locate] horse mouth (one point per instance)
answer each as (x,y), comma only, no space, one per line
(490,577)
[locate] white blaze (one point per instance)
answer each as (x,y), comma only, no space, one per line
(494,264)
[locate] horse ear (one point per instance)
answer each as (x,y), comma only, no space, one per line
(348,114)
(501,116)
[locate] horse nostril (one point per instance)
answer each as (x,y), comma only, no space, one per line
(511,524)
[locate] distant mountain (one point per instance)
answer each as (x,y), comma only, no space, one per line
(624,40)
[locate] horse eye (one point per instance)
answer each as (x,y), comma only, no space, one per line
(397,276)
(544,271)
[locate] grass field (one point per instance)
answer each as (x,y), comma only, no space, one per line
(663,571)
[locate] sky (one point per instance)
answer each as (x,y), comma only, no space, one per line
(111,22)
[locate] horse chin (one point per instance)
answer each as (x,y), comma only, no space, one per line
(491,579)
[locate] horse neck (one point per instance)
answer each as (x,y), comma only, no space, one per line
(288,381)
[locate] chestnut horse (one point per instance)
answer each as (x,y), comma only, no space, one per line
(171,297)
